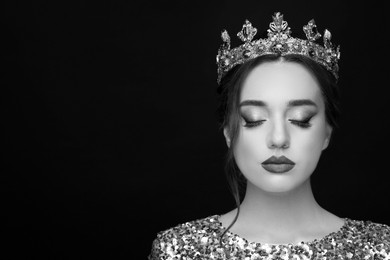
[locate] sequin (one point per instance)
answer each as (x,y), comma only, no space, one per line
(199,239)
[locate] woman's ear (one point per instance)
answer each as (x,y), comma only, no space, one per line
(226,134)
(329,131)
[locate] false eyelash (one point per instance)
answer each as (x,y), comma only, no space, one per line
(302,123)
(250,124)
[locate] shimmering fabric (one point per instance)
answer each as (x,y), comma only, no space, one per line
(199,239)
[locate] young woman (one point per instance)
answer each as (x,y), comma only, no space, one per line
(279,107)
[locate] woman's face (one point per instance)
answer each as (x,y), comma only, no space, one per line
(282,114)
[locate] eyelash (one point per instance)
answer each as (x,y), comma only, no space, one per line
(303,124)
(250,124)
(300,123)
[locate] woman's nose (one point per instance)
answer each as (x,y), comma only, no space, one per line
(278,136)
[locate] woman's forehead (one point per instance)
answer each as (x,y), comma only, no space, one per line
(280,82)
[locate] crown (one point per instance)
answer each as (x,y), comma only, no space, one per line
(279,42)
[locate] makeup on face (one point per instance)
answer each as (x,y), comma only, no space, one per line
(278,164)
(299,112)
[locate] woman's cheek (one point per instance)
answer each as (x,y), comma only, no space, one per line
(248,149)
(310,147)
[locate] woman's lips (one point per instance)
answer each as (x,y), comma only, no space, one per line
(278,168)
(278,164)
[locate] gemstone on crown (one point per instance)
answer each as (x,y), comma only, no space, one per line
(280,42)
(247,32)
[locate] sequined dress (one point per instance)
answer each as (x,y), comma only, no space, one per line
(199,239)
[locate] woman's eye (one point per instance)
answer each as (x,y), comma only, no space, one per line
(302,123)
(253,123)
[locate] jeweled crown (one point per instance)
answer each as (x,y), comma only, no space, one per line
(280,42)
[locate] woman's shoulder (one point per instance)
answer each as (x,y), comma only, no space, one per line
(368,238)
(374,231)
(380,232)
(185,238)
(369,227)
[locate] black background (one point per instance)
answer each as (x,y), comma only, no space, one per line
(110,127)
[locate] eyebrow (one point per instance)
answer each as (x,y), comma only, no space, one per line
(291,103)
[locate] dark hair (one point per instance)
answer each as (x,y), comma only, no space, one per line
(229,92)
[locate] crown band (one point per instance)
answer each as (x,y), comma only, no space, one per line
(279,42)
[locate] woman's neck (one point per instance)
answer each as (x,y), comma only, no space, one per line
(281,212)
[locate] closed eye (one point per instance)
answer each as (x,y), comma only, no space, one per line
(253,123)
(302,123)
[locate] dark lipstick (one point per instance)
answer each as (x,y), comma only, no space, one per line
(278,164)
